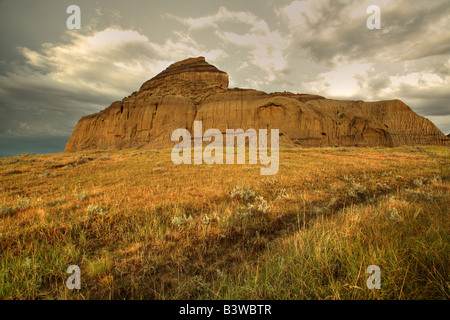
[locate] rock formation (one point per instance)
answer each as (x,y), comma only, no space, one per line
(193,90)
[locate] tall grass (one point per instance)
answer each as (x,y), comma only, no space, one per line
(141,227)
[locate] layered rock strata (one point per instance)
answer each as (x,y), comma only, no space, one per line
(193,90)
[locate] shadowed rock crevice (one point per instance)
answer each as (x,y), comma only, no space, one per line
(193,90)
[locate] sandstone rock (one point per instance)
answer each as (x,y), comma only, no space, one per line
(192,90)
(187,73)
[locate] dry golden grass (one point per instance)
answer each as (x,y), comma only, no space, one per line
(141,227)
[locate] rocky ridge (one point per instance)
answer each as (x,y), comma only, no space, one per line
(193,90)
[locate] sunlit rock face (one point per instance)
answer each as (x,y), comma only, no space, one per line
(193,90)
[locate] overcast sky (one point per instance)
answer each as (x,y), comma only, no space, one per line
(51,76)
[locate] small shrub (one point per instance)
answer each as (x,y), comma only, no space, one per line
(206,219)
(6,211)
(260,205)
(394,215)
(55,203)
(435,179)
(22,202)
(180,220)
(96,209)
(270,182)
(356,190)
(417,182)
(159,169)
(282,194)
(82,196)
(240,194)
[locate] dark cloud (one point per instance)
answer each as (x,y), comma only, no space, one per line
(410,30)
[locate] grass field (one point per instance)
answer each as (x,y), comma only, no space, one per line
(140,227)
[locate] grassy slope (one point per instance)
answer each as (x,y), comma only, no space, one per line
(140,227)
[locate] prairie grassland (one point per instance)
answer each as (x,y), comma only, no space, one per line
(140,227)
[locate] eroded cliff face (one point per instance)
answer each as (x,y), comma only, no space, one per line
(193,90)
